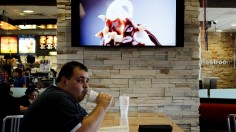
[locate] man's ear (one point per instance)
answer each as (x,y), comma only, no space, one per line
(63,81)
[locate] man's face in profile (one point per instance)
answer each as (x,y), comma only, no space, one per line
(77,86)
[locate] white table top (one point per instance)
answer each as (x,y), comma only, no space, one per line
(218,93)
(20,91)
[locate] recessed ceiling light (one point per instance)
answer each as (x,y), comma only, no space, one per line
(233,25)
(28,11)
(27,26)
(7,26)
(52,53)
(215,21)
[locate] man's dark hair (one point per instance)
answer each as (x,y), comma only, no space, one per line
(27,69)
(68,68)
(18,70)
(31,89)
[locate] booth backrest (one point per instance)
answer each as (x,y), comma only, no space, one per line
(215,115)
(215,111)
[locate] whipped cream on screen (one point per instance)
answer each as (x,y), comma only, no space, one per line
(116,10)
(119,29)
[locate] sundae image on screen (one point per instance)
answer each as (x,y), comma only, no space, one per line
(119,29)
(128,23)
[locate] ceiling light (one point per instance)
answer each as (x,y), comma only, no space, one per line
(27,26)
(7,26)
(215,21)
(219,30)
(41,26)
(52,53)
(233,25)
(28,11)
(47,26)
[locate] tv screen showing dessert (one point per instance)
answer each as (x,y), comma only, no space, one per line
(133,23)
(9,44)
(47,42)
(27,44)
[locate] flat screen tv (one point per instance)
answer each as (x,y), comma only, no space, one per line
(27,44)
(9,45)
(47,42)
(152,23)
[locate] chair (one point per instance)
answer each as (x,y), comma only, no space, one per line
(13,122)
(213,84)
(231,121)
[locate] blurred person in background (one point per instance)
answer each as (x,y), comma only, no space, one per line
(7,67)
(26,100)
(19,78)
(8,104)
(2,77)
(27,71)
(27,75)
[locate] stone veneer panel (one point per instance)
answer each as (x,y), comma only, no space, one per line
(157,79)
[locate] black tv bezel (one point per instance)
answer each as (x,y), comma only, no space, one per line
(75,26)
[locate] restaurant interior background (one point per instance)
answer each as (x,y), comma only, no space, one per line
(218,55)
(158,80)
(31,30)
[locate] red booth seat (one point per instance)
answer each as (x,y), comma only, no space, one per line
(213,116)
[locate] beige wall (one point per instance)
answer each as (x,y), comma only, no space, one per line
(157,79)
(221,49)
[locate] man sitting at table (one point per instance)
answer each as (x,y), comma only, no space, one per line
(57,109)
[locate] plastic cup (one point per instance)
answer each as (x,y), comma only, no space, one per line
(124,106)
(92,96)
(124,122)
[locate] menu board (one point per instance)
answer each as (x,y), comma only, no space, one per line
(27,44)
(9,44)
(47,42)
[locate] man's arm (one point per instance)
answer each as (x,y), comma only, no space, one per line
(92,122)
(24,85)
(23,79)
